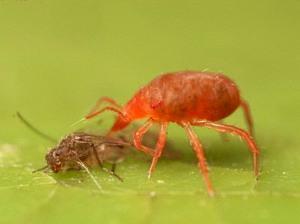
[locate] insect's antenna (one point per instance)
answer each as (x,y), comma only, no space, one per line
(34,129)
(81,164)
(41,169)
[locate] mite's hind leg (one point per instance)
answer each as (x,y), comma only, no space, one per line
(248,117)
(102,100)
(237,131)
(159,147)
(194,141)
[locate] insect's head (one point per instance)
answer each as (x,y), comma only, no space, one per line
(54,160)
(65,155)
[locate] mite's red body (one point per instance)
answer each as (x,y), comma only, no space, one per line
(184,96)
(188,98)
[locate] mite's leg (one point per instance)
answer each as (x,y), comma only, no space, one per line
(194,141)
(248,117)
(159,147)
(223,136)
(95,113)
(138,136)
(237,131)
(101,100)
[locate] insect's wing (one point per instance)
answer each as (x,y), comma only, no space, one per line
(113,142)
(98,140)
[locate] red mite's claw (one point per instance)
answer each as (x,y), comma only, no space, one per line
(211,193)
(149,176)
(78,122)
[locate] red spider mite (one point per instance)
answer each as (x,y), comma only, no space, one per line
(188,98)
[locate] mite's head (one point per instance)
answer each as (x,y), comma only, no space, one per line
(138,107)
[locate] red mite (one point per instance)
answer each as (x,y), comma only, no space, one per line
(188,98)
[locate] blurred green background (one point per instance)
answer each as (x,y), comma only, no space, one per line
(57,57)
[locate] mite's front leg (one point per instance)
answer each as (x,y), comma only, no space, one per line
(159,147)
(138,136)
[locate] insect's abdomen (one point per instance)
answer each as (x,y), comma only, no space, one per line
(192,96)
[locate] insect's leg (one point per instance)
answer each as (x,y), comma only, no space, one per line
(237,131)
(113,167)
(97,158)
(95,113)
(138,136)
(104,99)
(194,141)
(113,172)
(103,168)
(82,165)
(248,117)
(159,147)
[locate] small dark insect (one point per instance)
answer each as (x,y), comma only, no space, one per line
(91,150)
(80,150)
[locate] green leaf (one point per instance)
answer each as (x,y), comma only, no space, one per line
(58,57)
